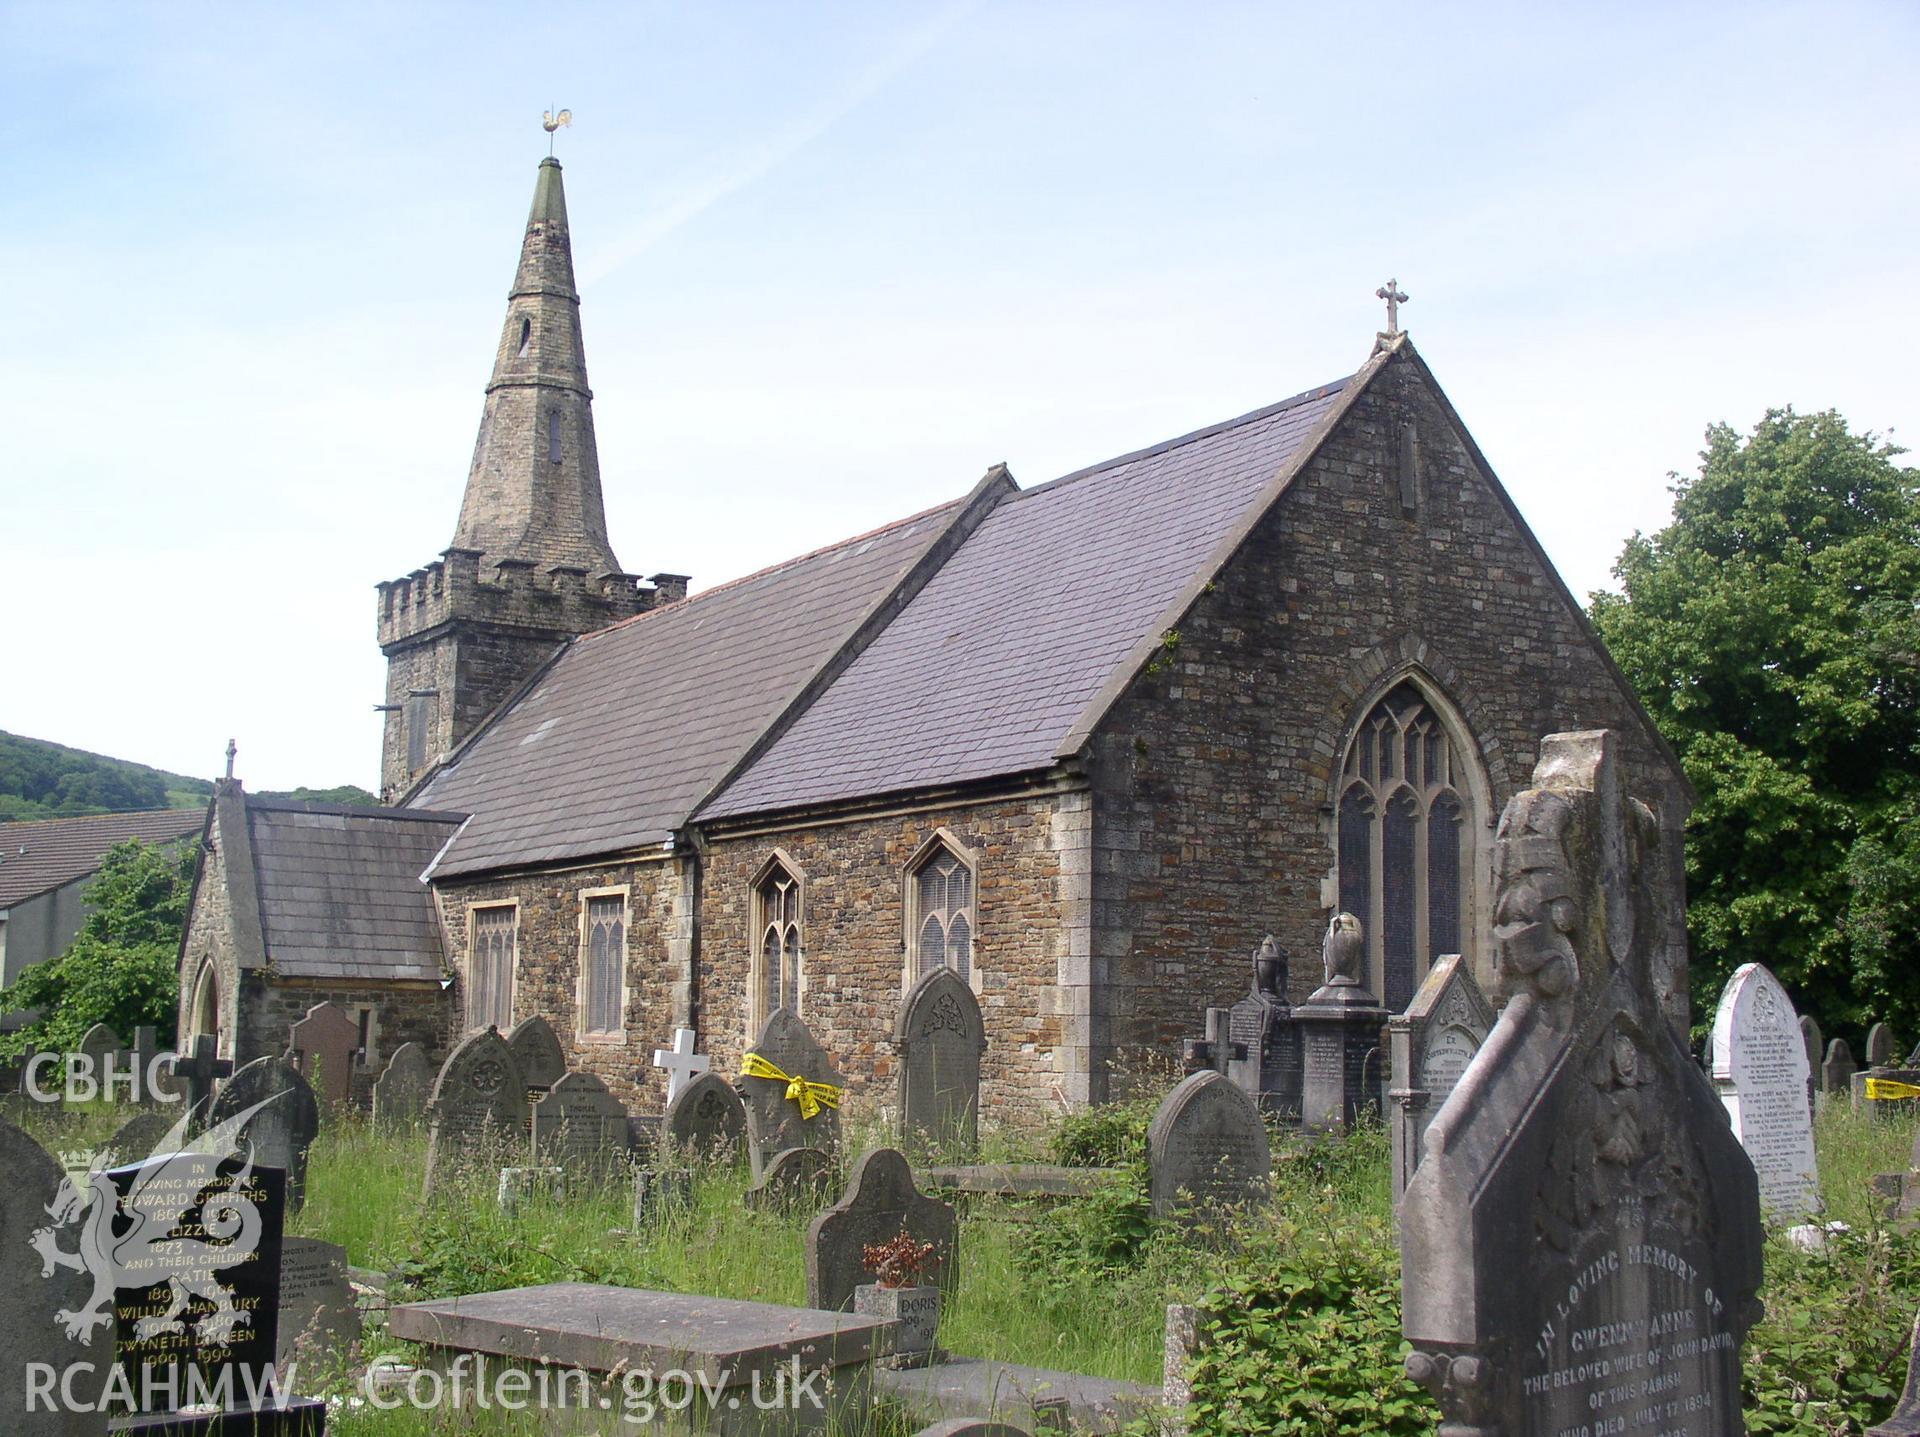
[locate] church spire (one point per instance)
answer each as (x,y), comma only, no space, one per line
(533,493)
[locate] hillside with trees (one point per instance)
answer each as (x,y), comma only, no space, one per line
(39,779)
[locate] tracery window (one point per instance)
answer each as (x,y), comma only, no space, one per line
(1404,856)
(777,954)
(604,928)
(490,967)
(942,887)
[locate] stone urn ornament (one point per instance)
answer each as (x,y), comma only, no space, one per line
(900,1296)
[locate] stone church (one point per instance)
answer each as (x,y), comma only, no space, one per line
(1083,742)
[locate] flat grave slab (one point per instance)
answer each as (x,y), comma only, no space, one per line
(984,1390)
(1017,1179)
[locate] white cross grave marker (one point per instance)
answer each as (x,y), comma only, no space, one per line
(680,1061)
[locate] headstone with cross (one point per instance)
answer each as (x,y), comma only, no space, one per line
(199,1073)
(681,1063)
(155,1085)
(1391,293)
(1218,1049)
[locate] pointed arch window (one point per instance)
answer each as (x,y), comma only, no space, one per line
(941,913)
(1403,848)
(526,337)
(779,935)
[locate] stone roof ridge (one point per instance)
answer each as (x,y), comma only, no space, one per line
(681,605)
(349,810)
(1266,411)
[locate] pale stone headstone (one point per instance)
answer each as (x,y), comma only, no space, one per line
(1836,1072)
(479,1099)
(1760,1070)
(318,1315)
(796,1178)
(680,1062)
(518,1186)
(283,1130)
(1431,1045)
(1583,1219)
(536,1048)
(580,1126)
(1811,1040)
(776,1122)
(32,1338)
(99,1043)
(321,1046)
(1883,1051)
(400,1092)
(1207,1146)
(940,1038)
(881,1202)
(706,1120)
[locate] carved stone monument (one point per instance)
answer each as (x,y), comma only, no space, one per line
(536,1048)
(881,1202)
(1581,1243)
(797,1109)
(1760,1069)
(400,1092)
(479,1099)
(1207,1147)
(940,1038)
(1265,1057)
(1431,1044)
(706,1121)
(1339,1024)
(282,1130)
(581,1128)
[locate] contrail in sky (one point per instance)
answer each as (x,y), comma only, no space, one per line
(777,149)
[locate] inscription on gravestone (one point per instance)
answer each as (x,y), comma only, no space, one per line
(1760,1070)
(1207,1146)
(318,1315)
(940,1038)
(706,1120)
(580,1126)
(536,1048)
(279,1118)
(478,1106)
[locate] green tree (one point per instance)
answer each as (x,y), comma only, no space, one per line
(122,969)
(1771,630)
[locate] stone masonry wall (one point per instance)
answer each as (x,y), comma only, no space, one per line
(1213,776)
(403,1013)
(209,941)
(1028,934)
(547,966)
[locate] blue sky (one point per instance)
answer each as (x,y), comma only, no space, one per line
(836,260)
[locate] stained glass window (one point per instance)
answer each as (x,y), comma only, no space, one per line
(778,978)
(1401,853)
(605,963)
(943,905)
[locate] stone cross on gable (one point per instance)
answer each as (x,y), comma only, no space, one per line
(682,1064)
(1217,1049)
(232,749)
(200,1071)
(1390,292)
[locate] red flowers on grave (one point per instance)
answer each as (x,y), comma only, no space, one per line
(897,1261)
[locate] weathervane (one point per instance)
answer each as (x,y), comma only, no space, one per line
(552,121)
(1390,292)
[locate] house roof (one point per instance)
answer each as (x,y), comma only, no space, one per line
(340,888)
(992,667)
(629,728)
(49,853)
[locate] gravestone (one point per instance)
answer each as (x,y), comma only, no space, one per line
(581,1127)
(400,1092)
(1810,1040)
(1882,1050)
(156,1082)
(1581,1243)
(1217,1051)
(1760,1070)
(285,1125)
(321,1047)
(101,1043)
(318,1315)
(1431,1044)
(706,1121)
(32,1338)
(776,1121)
(797,1178)
(940,1038)
(1904,1420)
(1338,1024)
(881,1202)
(478,1106)
(680,1063)
(195,1075)
(1265,1056)
(536,1048)
(142,1136)
(1836,1072)
(199,1273)
(1207,1147)
(519,1186)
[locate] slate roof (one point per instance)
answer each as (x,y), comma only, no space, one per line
(50,853)
(631,726)
(993,665)
(340,889)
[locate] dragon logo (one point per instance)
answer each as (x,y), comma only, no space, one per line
(178,1178)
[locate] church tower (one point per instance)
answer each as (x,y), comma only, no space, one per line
(530,565)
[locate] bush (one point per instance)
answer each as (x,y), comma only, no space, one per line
(1112,1135)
